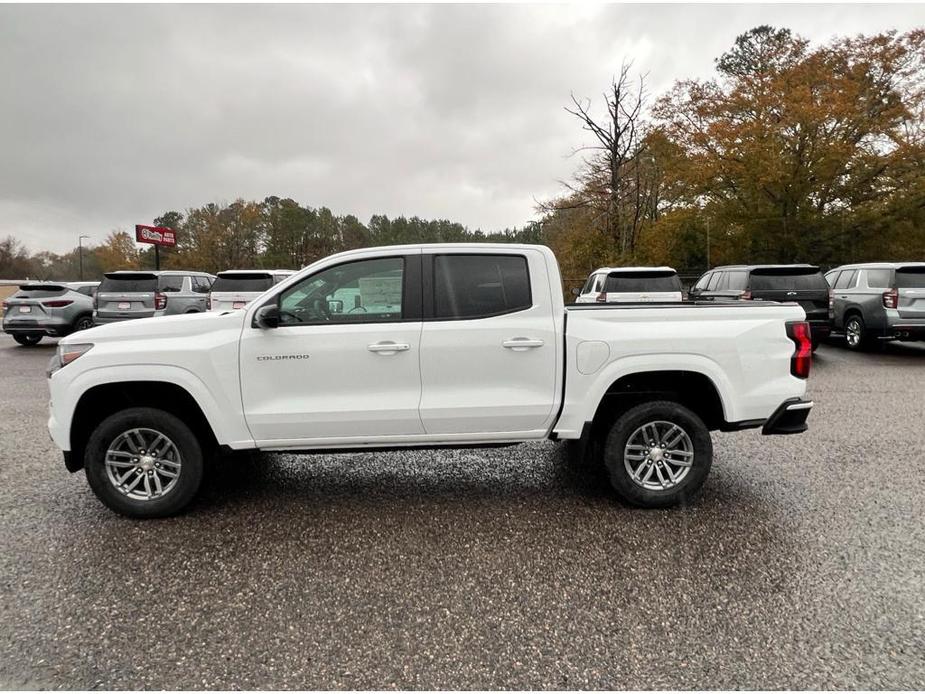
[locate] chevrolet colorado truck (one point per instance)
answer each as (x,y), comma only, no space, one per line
(426,346)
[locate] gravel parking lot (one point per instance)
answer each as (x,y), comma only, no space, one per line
(801,566)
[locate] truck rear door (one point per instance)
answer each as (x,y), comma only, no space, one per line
(489,346)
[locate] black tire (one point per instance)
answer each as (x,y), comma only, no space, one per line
(83,323)
(862,342)
(28,339)
(626,427)
(187,483)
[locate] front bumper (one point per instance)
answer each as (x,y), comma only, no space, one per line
(789,418)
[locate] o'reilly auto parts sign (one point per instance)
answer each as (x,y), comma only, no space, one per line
(161,236)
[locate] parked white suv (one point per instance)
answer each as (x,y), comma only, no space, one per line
(631,284)
(234,289)
(445,345)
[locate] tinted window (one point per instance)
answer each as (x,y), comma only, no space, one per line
(365,291)
(736,279)
(123,284)
(650,281)
(473,286)
(201,284)
(170,283)
(879,279)
(910,278)
(787,279)
(89,291)
(39,291)
(240,282)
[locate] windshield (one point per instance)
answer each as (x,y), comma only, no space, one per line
(788,278)
(643,281)
(243,282)
(123,284)
(910,278)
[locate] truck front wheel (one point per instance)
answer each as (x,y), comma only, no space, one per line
(658,454)
(143,463)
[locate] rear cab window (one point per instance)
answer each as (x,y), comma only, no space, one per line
(479,285)
(643,281)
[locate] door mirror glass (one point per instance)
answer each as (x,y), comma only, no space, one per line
(576,291)
(267,317)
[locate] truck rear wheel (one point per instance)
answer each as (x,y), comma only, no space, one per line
(658,454)
(144,463)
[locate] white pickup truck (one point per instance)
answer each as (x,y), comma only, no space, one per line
(435,346)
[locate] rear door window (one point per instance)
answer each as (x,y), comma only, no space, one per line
(125,284)
(910,278)
(644,281)
(201,284)
(703,281)
(846,279)
(480,286)
(243,282)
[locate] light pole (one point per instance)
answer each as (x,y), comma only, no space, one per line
(80,254)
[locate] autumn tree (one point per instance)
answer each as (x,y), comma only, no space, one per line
(804,153)
(117,252)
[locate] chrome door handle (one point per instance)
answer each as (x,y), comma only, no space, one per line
(519,344)
(388,347)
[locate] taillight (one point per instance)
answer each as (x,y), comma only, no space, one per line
(746,295)
(209,303)
(831,304)
(891,298)
(6,305)
(96,302)
(802,358)
(160,301)
(60,303)
(601,298)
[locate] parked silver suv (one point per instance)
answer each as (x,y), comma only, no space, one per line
(129,294)
(878,301)
(48,308)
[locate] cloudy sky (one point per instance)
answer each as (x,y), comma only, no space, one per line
(113,114)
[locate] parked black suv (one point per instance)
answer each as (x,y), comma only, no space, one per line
(803,284)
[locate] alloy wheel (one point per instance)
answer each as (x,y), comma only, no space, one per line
(143,464)
(658,455)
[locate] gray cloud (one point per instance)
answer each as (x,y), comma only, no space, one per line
(113,114)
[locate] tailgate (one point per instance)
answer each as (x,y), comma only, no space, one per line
(229,301)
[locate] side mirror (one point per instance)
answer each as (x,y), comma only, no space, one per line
(576,291)
(267,317)
(335,306)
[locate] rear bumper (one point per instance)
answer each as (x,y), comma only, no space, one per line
(789,418)
(47,326)
(905,330)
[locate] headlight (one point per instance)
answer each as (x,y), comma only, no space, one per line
(66,354)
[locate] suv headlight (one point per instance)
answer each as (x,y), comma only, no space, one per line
(66,354)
